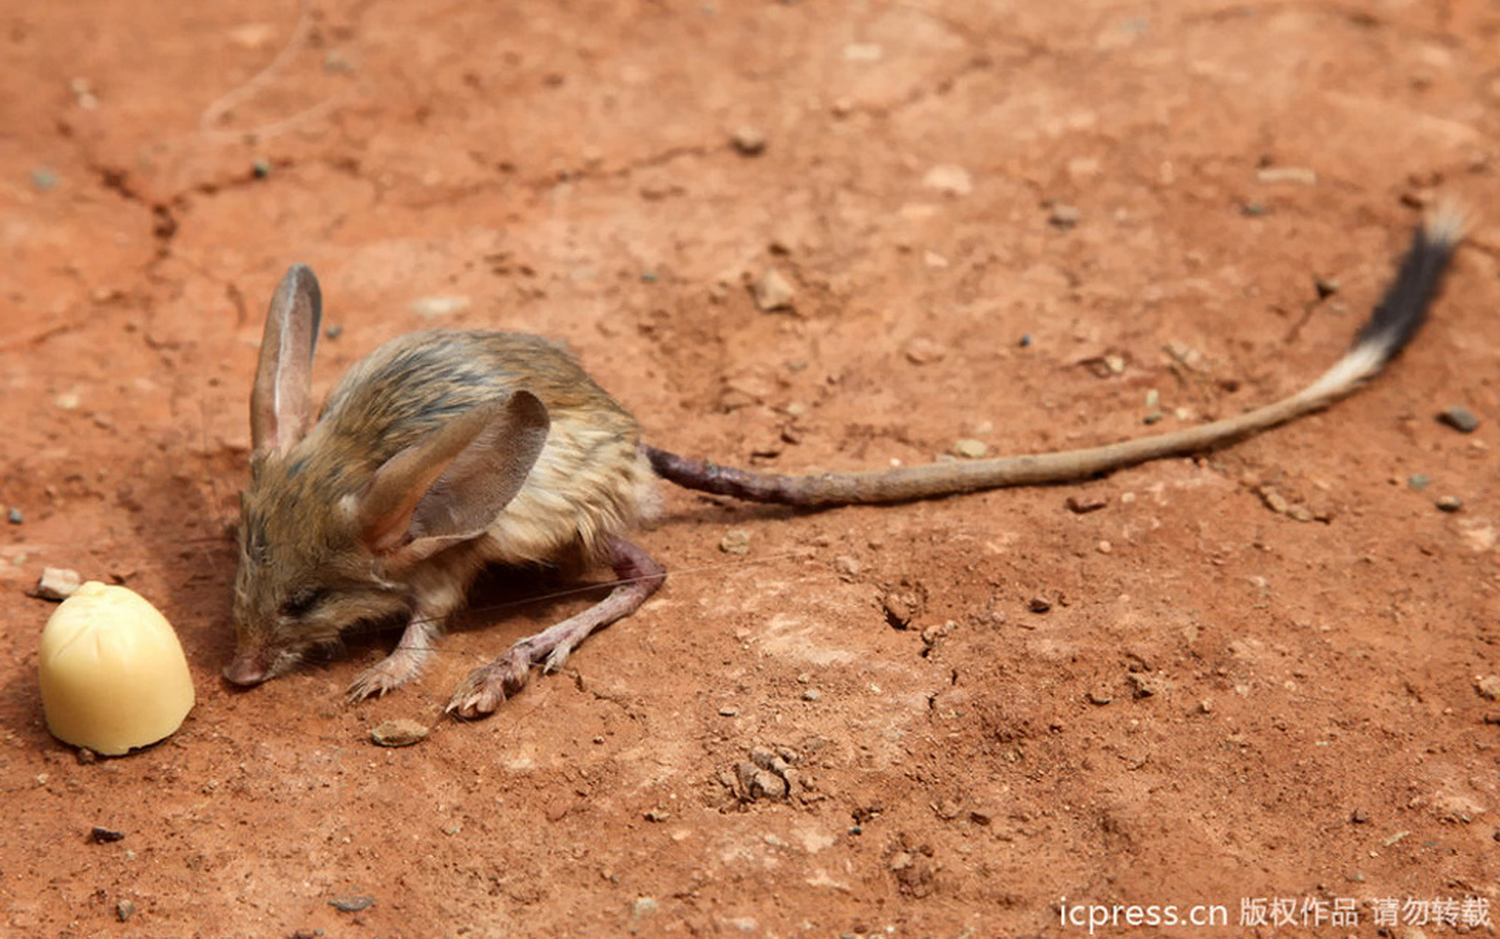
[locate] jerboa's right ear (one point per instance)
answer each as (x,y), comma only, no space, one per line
(281,409)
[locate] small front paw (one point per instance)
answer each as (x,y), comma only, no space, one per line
(374,682)
(489,685)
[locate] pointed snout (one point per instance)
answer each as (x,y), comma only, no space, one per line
(246,670)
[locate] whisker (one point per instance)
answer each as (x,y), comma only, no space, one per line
(593,587)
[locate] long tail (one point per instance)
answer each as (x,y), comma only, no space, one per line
(1392,324)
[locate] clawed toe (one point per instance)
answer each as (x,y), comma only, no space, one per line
(488,686)
(556,658)
(373,682)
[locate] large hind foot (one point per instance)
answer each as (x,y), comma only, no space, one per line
(490,684)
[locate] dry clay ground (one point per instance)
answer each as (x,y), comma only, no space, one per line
(1224,703)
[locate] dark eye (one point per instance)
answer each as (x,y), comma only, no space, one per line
(302,602)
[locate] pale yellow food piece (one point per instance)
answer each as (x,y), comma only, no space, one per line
(113,674)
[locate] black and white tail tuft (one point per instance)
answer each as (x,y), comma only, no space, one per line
(1403,309)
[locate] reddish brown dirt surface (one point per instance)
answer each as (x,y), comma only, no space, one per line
(1223,703)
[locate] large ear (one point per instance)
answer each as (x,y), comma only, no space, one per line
(281,408)
(452,485)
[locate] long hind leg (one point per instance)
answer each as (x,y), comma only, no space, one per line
(488,685)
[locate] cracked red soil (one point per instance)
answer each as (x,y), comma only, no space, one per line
(1312,727)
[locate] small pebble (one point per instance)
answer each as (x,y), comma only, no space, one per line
(105,835)
(1286,174)
(1038,604)
(1100,696)
(1064,217)
(729,711)
(735,541)
(971,449)
(848,568)
(1488,686)
(14,516)
(334,332)
(1449,503)
(56,583)
(1145,686)
(398,733)
(1460,419)
(1025,340)
(658,814)
(772,291)
(922,351)
(812,694)
(43,179)
(950,179)
(1081,505)
(430,308)
(749,141)
(353,903)
(1359,816)
(260,168)
(1326,287)
(1418,481)
(1274,500)
(124,910)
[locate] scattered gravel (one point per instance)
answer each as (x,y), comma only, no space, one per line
(1080,505)
(1460,419)
(772,291)
(922,351)
(1286,174)
(768,774)
(949,179)
(735,541)
(431,308)
(1146,686)
(903,603)
(1064,217)
(398,733)
(971,449)
(56,583)
(749,141)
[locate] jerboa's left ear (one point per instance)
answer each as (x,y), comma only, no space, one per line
(452,485)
